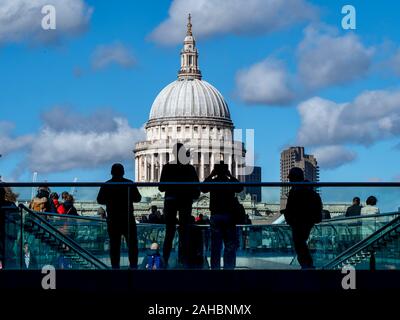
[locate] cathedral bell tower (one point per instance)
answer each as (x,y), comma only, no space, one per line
(189,56)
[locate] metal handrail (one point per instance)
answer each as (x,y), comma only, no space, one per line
(67,241)
(363,244)
(325,222)
(67,216)
(156,184)
(393,213)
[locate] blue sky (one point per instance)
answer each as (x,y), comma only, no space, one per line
(108,60)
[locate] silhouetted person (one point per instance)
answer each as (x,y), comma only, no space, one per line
(69,206)
(201,220)
(196,257)
(326,215)
(303,210)
(101,213)
(64,195)
(370,207)
(223,220)
(118,200)
(29,260)
(154,216)
(42,201)
(354,209)
(178,199)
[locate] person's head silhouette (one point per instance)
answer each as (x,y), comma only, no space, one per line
(371,201)
(221,169)
(117,170)
(356,201)
(296,174)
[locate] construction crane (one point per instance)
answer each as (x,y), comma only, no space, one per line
(34,179)
(73,189)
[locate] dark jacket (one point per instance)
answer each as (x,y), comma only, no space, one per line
(115,198)
(326,215)
(173,172)
(304,206)
(154,218)
(152,260)
(222,198)
(70,209)
(354,210)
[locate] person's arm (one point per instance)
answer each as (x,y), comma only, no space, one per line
(135,194)
(74,212)
(236,188)
(206,188)
(319,202)
(163,178)
(61,209)
(210,178)
(288,211)
(101,197)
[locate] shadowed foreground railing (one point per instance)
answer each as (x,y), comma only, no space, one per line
(261,246)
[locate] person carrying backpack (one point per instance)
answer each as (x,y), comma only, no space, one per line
(42,201)
(303,210)
(153,259)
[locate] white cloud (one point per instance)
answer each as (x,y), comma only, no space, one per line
(325,58)
(20,20)
(10,143)
(68,140)
(115,53)
(58,151)
(266,82)
(331,157)
(61,119)
(215,17)
(372,116)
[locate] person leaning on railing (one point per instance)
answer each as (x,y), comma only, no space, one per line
(303,210)
(178,200)
(370,207)
(354,209)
